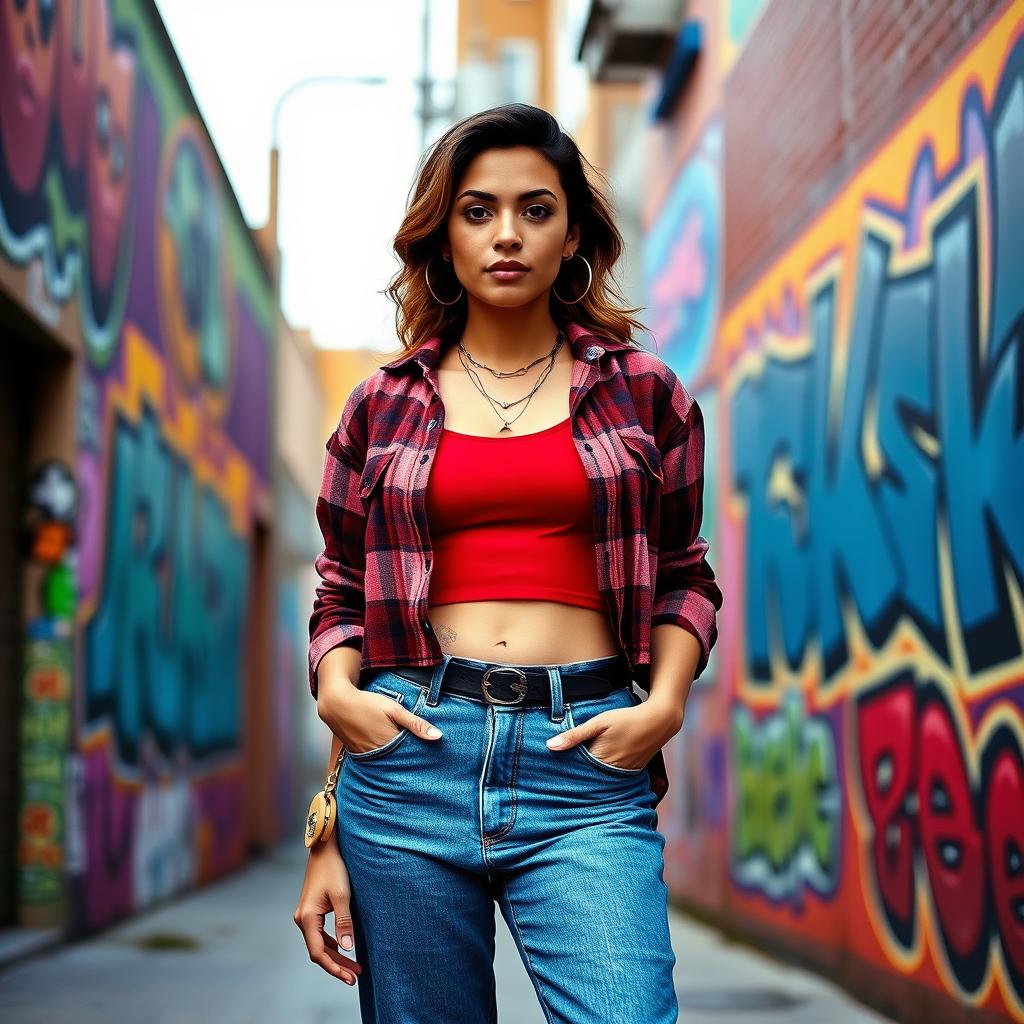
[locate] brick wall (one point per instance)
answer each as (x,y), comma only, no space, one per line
(817,86)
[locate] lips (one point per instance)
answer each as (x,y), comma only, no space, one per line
(500,267)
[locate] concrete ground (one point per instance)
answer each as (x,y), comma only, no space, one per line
(237,958)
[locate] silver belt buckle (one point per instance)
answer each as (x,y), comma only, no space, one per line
(519,686)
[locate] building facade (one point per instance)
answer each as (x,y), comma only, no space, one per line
(153,519)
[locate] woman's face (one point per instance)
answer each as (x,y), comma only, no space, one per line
(509,205)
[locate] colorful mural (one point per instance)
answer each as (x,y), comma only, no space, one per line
(120,230)
(683,262)
(683,276)
(851,775)
(876,482)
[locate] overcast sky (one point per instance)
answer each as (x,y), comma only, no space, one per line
(348,152)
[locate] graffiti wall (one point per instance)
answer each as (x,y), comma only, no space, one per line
(852,778)
(119,232)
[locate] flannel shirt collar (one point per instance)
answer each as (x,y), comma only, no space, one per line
(585,346)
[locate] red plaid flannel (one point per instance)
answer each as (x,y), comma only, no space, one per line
(640,437)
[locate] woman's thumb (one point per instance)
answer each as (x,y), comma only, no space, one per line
(342,920)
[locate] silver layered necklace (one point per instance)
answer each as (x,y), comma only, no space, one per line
(470,364)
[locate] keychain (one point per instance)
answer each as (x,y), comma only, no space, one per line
(323,808)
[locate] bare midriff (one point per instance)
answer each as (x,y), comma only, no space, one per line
(522,632)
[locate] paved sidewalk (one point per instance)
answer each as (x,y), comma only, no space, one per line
(241,960)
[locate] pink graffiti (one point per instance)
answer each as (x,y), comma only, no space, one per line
(78,39)
(60,64)
(108,170)
(26,89)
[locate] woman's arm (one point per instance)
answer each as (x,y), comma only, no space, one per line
(326,889)
(339,608)
(686,595)
(675,652)
(338,669)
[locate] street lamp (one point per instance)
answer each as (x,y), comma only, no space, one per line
(302,83)
(292,89)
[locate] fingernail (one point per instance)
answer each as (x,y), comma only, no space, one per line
(555,741)
(346,941)
(433,732)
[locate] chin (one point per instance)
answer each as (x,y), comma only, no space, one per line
(505,298)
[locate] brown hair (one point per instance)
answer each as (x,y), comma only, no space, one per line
(418,316)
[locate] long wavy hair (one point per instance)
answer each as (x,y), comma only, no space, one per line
(418,316)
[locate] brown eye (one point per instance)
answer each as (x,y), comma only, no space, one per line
(537,212)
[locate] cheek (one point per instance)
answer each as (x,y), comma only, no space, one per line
(465,243)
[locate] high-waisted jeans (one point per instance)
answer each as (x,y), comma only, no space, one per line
(433,832)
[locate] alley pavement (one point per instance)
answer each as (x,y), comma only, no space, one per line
(229,953)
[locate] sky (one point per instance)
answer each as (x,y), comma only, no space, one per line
(348,152)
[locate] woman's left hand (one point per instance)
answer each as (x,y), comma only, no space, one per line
(628,737)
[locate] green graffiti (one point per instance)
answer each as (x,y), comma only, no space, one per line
(787,821)
(45,734)
(59,592)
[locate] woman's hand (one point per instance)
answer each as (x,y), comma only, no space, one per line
(364,720)
(629,737)
(326,889)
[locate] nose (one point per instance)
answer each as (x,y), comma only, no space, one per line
(507,233)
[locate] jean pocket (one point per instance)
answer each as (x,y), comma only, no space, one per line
(406,693)
(581,712)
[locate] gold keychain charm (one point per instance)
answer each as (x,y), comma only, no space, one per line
(317,819)
(323,809)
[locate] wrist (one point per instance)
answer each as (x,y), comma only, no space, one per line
(667,713)
(334,699)
(340,665)
(318,851)
(336,687)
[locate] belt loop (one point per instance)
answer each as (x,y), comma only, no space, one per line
(555,681)
(434,696)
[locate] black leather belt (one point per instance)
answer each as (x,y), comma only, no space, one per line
(520,684)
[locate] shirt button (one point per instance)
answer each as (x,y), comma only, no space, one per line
(587,446)
(424,459)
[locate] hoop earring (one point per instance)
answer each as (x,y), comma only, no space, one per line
(590,279)
(426,276)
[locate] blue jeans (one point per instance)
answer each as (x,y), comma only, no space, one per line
(433,832)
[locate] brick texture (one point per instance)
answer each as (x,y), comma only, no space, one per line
(817,87)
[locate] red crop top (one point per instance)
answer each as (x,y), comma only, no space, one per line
(511,517)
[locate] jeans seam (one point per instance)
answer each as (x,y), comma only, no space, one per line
(480,782)
(529,960)
(507,827)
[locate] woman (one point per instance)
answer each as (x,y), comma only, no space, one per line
(510,512)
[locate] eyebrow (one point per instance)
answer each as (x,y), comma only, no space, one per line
(491,198)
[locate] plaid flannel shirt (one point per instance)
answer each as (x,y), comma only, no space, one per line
(640,437)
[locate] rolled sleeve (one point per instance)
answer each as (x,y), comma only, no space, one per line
(685,592)
(339,605)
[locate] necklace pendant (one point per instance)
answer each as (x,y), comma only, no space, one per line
(505,405)
(504,428)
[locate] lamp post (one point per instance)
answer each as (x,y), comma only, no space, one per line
(275,155)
